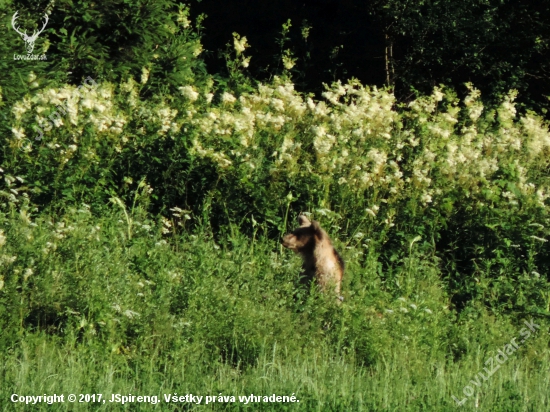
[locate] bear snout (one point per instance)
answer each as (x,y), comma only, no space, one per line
(289,241)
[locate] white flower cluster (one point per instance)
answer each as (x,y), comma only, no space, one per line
(239,43)
(361,141)
(74,109)
(354,140)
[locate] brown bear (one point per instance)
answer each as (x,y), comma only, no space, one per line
(321,261)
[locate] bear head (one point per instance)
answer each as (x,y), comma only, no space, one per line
(303,239)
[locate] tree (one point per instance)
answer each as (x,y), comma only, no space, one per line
(496,44)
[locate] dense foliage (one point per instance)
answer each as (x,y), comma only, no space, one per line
(413,45)
(498,45)
(441,169)
(142,201)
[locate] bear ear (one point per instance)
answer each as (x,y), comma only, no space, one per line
(317,228)
(303,221)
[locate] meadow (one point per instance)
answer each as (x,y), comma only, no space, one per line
(140,247)
(89,310)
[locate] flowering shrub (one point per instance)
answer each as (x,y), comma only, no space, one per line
(445,170)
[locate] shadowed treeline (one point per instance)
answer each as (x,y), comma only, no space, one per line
(496,45)
(322,58)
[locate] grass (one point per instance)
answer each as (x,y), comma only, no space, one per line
(92,305)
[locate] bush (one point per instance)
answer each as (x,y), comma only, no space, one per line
(447,171)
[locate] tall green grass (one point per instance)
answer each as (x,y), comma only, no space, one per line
(92,304)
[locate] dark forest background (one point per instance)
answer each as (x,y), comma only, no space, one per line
(412,45)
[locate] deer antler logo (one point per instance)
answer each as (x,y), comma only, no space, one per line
(29,40)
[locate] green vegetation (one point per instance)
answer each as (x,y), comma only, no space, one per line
(92,310)
(499,45)
(139,238)
(413,45)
